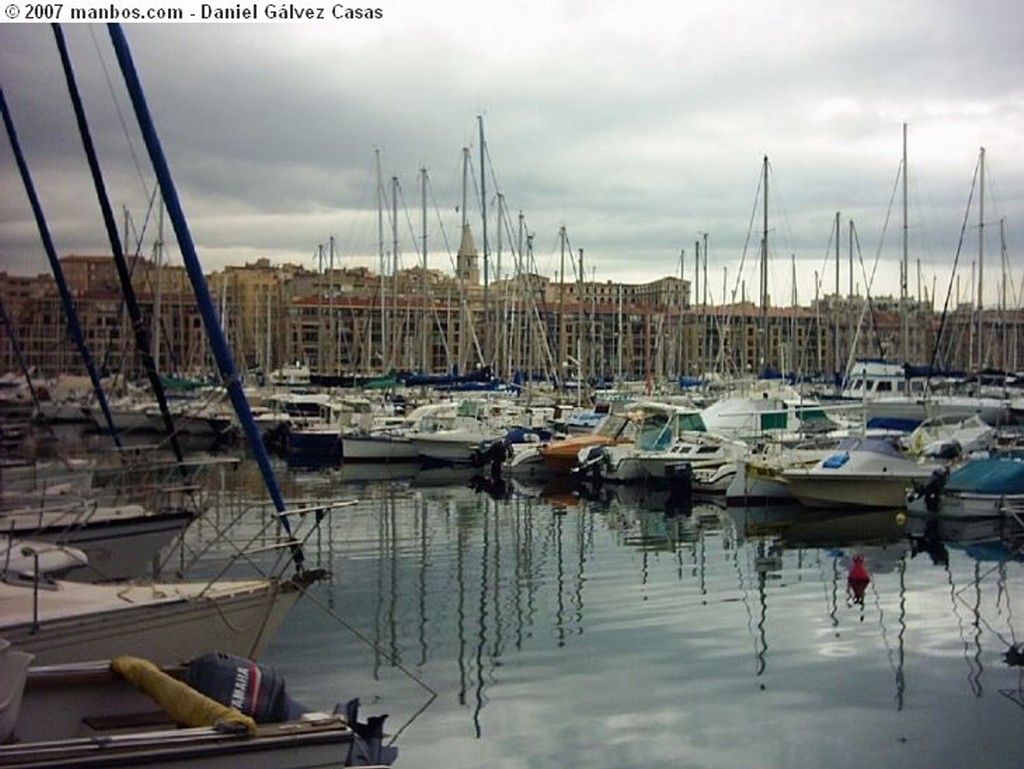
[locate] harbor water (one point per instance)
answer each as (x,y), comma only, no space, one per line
(504,625)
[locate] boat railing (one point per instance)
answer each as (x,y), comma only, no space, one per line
(243,533)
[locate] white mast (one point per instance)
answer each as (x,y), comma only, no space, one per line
(764,276)
(904,320)
(392,357)
(483,216)
(158,251)
(981,256)
(425,318)
(380,259)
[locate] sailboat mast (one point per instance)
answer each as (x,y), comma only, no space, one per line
(981,255)
(425,365)
(904,320)
(699,323)
(521,330)
(764,272)
(579,324)
(792,318)
(380,261)
(320,333)
(706,336)
(502,331)
(835,314)
(391,358)
(462,268)
(158,251)
(561,299)
(483,223)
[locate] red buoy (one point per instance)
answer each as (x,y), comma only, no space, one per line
(858,578)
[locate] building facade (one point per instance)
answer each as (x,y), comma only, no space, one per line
(345,321)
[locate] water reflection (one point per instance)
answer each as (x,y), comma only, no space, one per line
(554,618)
(505,597)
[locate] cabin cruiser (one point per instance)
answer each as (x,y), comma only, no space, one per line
(457,441)
(757,480)
(860,472)
(894,398)
(669,438)
(389,441)
(559,456)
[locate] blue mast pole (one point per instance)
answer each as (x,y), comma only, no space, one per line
(221,352)
(58,272)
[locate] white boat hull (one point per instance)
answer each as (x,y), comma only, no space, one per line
(911,410)
(359,448)
(118,546)
(449,448)
(754,484)
(165,623)
(813,489)
(966,505)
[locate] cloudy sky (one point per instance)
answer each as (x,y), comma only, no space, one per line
(637,127)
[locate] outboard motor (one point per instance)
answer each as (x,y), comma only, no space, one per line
(588,463)
(253,688)
(932,490)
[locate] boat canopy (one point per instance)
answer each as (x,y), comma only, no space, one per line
(988,476)
(881,445)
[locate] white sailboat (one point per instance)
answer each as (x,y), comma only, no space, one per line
(119,540)
(61,621)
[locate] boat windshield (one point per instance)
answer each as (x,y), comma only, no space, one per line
(612,425)
(690,421)
(877,445)
(655,433)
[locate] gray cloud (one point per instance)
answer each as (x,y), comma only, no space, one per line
(635,130)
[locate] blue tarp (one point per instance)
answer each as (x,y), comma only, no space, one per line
(988,476)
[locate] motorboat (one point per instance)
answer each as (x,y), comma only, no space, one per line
(772,411)
(320,444)
(524,460)
(669,438)
(952,437)
(990,487)
(457,440)
(391,442)
(560,457)
(894,397)
(860,472)
(217,710)
(757,480)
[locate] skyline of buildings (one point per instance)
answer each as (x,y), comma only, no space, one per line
(353,320)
